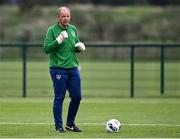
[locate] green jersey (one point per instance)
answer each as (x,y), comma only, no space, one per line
(61,55)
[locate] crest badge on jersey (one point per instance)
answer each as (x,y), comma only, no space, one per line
(73,34)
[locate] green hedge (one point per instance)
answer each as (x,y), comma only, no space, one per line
(95,23)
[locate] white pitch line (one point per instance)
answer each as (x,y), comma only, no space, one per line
(170,125)
(89,138)
(125,124)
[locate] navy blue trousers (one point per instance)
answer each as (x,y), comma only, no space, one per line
(65,79)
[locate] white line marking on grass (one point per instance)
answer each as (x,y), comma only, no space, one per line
(88,138)
(133,124)
(170,125)
(165,125)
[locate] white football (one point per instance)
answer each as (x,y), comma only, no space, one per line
(113,125)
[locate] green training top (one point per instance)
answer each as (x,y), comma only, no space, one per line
(61,55)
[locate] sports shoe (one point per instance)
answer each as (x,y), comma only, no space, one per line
(73,128)
(60,130)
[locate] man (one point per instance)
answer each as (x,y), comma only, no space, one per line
(62,43)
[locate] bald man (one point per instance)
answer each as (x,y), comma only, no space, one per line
(62,43)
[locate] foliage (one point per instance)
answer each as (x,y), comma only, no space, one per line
(30,3)
(95,23)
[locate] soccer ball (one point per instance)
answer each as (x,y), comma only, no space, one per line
(113,125)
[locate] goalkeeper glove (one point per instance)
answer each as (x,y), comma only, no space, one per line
(63,35)
(80,46)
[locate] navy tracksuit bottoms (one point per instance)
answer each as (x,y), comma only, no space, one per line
(66,79)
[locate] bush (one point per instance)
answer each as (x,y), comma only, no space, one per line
(96,23)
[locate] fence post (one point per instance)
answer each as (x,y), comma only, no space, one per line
(24,70)
(162,70)
(132,72)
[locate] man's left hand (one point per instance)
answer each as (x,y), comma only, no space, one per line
(80,46)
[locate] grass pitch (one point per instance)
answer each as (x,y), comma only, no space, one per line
(99,79)
(140,118)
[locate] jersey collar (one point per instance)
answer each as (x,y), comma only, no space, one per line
(62,26)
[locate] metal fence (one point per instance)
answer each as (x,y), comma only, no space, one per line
(107,69)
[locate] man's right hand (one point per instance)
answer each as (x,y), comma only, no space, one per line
(63,35)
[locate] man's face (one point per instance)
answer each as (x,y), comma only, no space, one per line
(64,17)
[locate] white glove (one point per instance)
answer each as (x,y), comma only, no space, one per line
(80,46)
(63,35)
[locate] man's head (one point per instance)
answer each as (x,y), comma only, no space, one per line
(63,15)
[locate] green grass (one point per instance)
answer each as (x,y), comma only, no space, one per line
(105,79)
(140,118)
